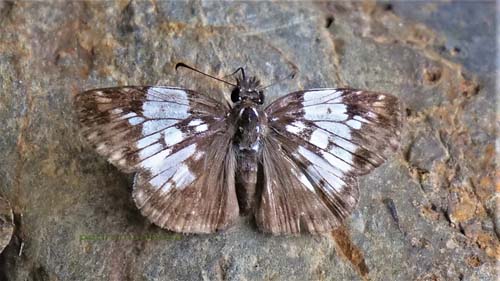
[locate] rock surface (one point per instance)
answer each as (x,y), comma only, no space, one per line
(427,214)
(6,223)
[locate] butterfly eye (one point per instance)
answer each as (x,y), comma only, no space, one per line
(235,94)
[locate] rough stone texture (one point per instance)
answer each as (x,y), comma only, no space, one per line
(6,223)
(428,214)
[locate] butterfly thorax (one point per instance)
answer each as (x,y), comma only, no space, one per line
(249,129)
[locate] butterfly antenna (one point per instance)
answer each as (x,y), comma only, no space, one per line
(203,73)
(289,76)
(236,71)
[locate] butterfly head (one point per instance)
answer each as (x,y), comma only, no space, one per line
(247,89)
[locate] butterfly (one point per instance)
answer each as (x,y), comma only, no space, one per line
(200,163)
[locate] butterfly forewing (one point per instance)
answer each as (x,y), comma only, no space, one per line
(170,137)
(322,140)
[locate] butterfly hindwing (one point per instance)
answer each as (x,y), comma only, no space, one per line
(319,141)
(170,137)
(191,190)
(300,194)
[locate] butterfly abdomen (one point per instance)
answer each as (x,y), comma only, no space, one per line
(246,181)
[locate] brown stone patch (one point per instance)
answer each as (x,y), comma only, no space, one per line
(350,251)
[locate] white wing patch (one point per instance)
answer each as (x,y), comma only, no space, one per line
(173,136)
(326,111)
(159,110)
(163,166)
(153,126)
(146,141)
(296,127)
(338,162)
(195,122)
(319,139)
(305,181)
(318,161)
(150,151)
(126,116)
(136,120)
(155,162)
(201,128)
(355,124)
(182,178)
(337,129)
(321,96)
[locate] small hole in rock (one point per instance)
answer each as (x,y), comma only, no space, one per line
(329,21)
(455,51)
(442,48)
(408,112)
(432,74)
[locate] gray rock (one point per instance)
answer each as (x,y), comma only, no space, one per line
(6,223)
(427,214)
(425,151)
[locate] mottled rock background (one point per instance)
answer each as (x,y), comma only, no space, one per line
(427,214)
